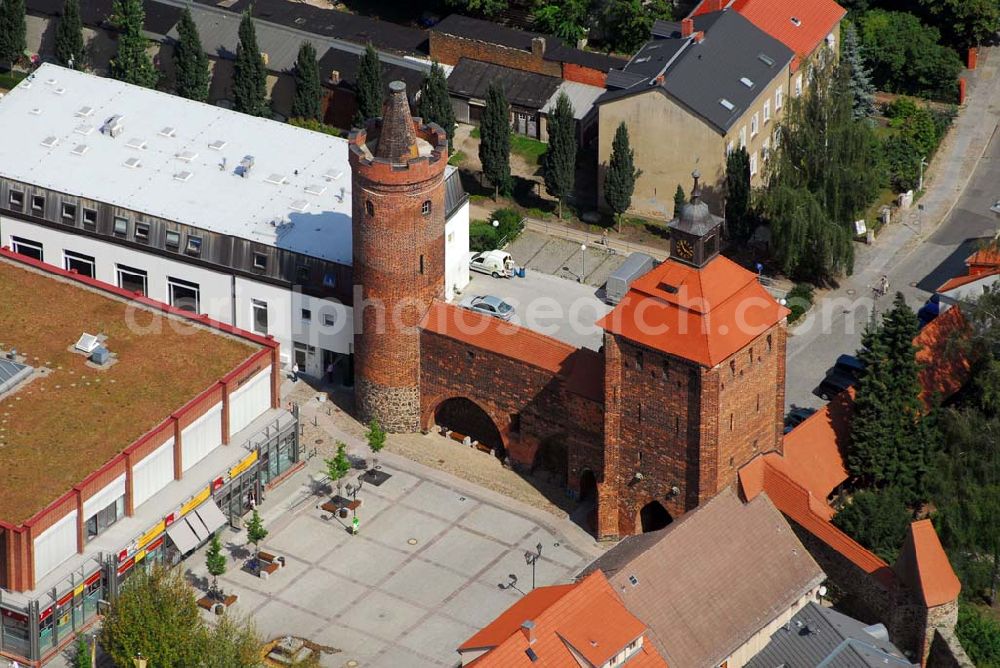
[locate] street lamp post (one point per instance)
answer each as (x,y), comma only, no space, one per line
(583,252)
(920,183)
(531,558)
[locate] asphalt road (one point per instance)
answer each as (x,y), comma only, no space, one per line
(916,268)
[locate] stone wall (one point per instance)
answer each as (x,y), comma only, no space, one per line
(946,651)
(449,49)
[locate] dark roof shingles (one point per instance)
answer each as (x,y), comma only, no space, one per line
(472,78)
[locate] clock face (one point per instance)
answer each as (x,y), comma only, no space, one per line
(684,249)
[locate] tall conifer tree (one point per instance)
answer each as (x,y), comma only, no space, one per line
(131,63)
(860,82)
(738,220)
(12,31)
(434,105)
(69,36)
(619,180)
(369,88)
(559,160)
(494,140)
(308,92)
(250,73)
(190,61)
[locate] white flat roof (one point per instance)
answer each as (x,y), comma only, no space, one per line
(180,147)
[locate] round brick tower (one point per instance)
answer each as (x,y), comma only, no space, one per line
(397,164)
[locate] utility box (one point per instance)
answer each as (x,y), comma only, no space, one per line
(621,278)
(100,355)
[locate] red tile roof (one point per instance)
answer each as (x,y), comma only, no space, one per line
(959,281)
(704,315)
(984,258)
(504,338)
(924,565)
(814,450)
(587,616)
(946,366)
(813,20)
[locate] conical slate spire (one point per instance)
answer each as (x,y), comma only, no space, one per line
(397,140)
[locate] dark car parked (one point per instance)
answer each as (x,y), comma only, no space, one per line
(835,382)
(797,416)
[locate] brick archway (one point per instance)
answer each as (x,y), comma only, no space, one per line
(468,417)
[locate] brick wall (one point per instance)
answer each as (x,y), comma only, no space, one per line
(448,49)
(584,75)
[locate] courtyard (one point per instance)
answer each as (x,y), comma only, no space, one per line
(419,579)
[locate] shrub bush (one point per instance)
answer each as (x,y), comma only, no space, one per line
(316,126)
(799,299)
(979,634)
(482,236)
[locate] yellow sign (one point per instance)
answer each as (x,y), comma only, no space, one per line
(140,555)
(78,590)
(244,465)
(151,535)
(195,502)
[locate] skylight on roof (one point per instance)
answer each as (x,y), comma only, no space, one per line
(796,22)
(746,82)
(85,112)
(183,175)
(35,111)
(51,82)
(187,156)
(167,132)
(80,149)
(60,91)
(727,104)
(136,143)
(133,163)
(315,189)
(276,179)
(332,175)
(766,59)
(83,129)
(300,205)
(217,145)
(87,343)
(50,141)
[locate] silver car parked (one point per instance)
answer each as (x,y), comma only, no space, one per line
(490,305)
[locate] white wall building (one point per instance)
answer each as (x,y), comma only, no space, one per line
(243,219)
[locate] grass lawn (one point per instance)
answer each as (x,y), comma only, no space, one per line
(60,427)
(529,149)
(457,158)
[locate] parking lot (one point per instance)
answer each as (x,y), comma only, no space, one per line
(559,257)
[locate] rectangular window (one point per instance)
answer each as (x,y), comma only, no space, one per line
(307,315)
(81,264)
(259,316)
(743,137)
(259,261)
(16,199)
(777,97)
(142,232)
(104,518)
(765,149)
(329,319)
(131,279)
(28,248)
(301,274)
(798,85)
(38,204)
(754,124)
(753,163)
(90,218)
(421,264)
(121,226)
(184,295)
(194,245)
(173,240)
(69,212)
(730,147)
(767,110)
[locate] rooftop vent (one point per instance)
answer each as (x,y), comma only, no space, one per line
(51,82)
(246,166)
(50,141)
(217,145)
(766,59)
(183,176)
(100,356)
(633,580)
(167,132)
(796,22)
(727,104)
(83,129)
(85,112)
(187,156)
(60,91)
(332,175)
(114,126)
(80,149)
(746,82)
(276,179)
(35,111)
(315,189)
(300,205)
(133,163)
(136,143)
(87,343)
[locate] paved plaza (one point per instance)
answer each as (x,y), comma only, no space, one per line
(419,579)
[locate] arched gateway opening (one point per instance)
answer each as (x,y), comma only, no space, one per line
(653,517)
(465,417)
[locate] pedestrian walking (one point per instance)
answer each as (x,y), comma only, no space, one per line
(884,286)
(355,525)
(295,372)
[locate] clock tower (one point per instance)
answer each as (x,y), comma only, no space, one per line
(694,234)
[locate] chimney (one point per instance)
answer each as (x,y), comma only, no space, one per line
(397,140)
(528,629)
(538,46)
(698,36)
(334,78)
(687,27)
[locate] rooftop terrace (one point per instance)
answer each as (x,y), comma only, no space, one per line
(68,418)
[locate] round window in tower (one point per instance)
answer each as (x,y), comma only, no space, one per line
(369,208)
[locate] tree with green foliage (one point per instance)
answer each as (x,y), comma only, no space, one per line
(559,160)
(190,61)
(979,633)
(878,519)
(369,91)
(70,49)
(680,199)
(626,23)
(155,614)
(232,642)
(131,63)
(338,467)
(824,171)
(375,436)
(487,8)
(215,562)
(13,28)
(619,180)
(964,23)
(249,72)
(308,92)
(494,140)
(860,83)
(434,105)
(567,20)
(256,533)
(81,653)
(739,217)
(906,56)
(893,438)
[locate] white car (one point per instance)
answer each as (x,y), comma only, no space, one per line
(496,263)
(490,305)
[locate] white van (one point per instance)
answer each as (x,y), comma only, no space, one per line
(496,263)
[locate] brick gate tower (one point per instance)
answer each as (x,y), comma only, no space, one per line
(694,380)
(398,227)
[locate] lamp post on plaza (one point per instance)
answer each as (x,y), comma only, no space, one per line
(531,558)
(583,253)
